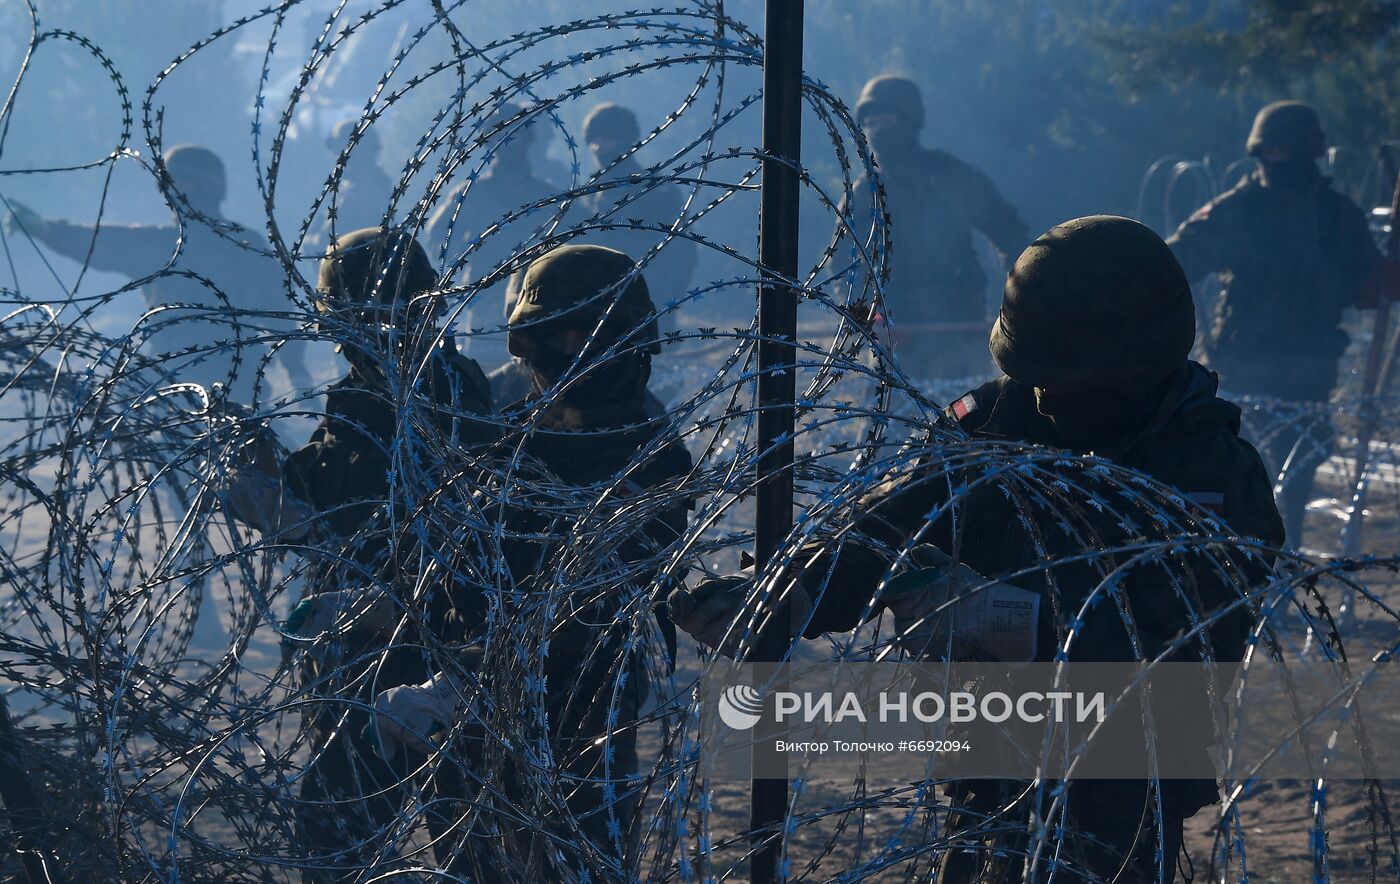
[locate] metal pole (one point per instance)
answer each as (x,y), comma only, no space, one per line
(777,353)
(21,801)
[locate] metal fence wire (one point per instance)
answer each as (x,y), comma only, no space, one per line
(166,725)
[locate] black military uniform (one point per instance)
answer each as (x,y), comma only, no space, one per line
(935,202)
(1095,327)
(233,258)
(1292,254)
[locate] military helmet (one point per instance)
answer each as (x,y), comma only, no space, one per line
(1097,302)
(193,167)
(613,121)
(892,95)
(374,272)
(1287,124)
(507,120)
(575,286)
(345,130)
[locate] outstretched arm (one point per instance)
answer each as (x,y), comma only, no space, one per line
(994,216)
(134,250)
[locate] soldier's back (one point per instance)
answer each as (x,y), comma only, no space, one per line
(1290,263)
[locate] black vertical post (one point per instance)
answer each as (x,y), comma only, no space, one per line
(21,801)
(777,355)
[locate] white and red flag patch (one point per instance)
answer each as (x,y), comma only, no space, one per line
(964,406)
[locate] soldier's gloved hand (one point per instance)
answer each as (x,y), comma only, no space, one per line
(709,611)
(257,448)
(349,611)
(22,219)
(260,453)
(945,609)
(252,489)
(410,714)
(266,503)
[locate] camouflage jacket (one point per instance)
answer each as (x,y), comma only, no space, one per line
(935,204)
(602,541)
(616,215)
(1290,262)
(344,471)
(1008,528)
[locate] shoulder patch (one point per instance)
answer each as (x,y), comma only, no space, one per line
(963,407)
(628,487)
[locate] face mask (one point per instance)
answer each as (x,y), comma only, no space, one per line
(1089,420)
(592,385)
(1295,173)
(892,143)
(548,364)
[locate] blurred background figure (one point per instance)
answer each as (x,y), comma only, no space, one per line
(936,202)
(1292,254)
(634,214)
(479,202)
(233,258)
(365,190)
(543,163)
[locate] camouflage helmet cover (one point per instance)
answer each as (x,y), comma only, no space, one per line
(371,267)
(894,95)
(577,286)
(1094,303)
(1287,124)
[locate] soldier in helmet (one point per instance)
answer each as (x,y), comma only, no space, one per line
(472,206)
(611,132)
(231,257)
(935,202)
(1093,338)
(348,499)
(513,381)
(1292,254)
(585,328)
(364,192)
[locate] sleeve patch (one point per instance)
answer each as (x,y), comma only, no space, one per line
(628,487)
(964,406)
